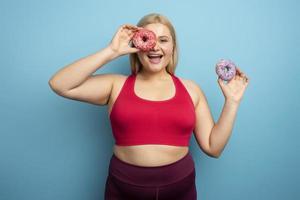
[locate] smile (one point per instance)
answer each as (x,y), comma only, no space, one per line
(155,59)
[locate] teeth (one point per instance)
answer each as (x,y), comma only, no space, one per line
(154,56)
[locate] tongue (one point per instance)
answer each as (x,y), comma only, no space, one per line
(155,60)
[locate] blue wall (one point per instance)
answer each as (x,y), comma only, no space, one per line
(56,148)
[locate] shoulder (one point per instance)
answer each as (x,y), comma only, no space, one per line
(193,88)
(112,76)
(118,79)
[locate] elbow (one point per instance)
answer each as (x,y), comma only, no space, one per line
(215,154)
(211,153)
(54,87)
(50,83)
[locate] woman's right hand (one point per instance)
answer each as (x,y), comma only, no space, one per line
(120,44)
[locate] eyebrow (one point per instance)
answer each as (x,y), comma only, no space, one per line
(163,36)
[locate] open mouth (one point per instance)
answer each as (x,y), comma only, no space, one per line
(155,59)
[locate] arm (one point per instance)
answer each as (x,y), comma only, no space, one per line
(221,131)
(75,81)
(210,136)
(213,137)
(76,73)
(204,121)
(233,92)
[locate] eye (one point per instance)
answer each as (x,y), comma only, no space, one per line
(164,40)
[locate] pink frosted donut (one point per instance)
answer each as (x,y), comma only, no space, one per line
(144,40)
(225,69)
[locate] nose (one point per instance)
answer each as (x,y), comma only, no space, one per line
(156,47)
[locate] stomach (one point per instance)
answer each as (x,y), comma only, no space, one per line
(150,155)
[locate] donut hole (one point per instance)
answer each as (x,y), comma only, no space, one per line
(144,38)
(227,68)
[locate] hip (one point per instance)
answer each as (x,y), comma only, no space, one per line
(151,176)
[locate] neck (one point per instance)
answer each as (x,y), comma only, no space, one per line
(154,76)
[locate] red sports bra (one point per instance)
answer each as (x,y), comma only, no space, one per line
(137,121)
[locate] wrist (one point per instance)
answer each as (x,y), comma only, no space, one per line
(113,53)
(232,102)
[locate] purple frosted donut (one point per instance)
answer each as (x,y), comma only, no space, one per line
(225,69)
(144,40)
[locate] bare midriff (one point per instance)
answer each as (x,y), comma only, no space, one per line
(150,155)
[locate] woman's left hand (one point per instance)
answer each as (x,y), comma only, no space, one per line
(235,88)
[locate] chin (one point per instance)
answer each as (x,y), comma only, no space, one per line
(157,69)
(161,65)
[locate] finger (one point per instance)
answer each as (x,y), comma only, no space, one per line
(247,82)
(124,28)
(235,77)
(220,81)
(131,27)
(238,69)
(133,30)
(134,50)
(120,29)
(245,79)
(128,32)
(131,35)
(136,30)
(128,25)
(240,72)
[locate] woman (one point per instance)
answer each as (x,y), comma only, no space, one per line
(152,113)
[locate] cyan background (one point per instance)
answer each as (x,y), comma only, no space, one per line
(56,148)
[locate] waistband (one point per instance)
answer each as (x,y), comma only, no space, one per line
(151,176)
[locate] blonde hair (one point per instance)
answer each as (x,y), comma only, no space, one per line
(156,18)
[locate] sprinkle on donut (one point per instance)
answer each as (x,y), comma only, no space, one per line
(144,40)
(225,69)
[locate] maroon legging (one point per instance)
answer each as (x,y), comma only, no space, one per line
(175,181)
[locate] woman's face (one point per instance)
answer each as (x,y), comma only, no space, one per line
(163,47)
